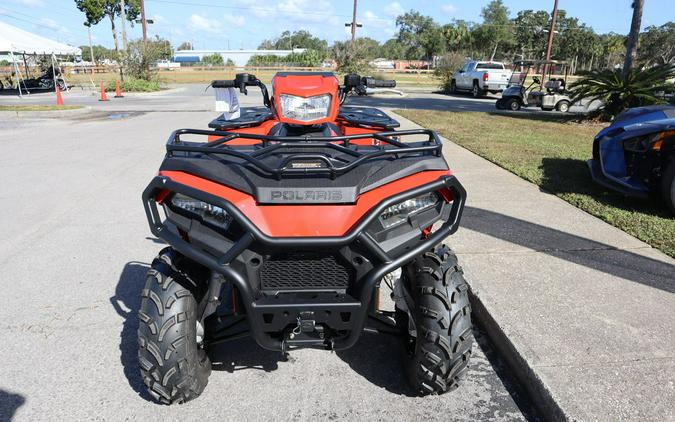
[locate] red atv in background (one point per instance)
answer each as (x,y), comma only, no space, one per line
(283,223)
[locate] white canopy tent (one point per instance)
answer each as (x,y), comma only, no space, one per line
(16,41)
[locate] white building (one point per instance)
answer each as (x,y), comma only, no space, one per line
(239,57)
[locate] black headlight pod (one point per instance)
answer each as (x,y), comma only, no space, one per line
(399,213)
(208,213)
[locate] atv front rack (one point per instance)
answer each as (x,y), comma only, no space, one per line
(385,144)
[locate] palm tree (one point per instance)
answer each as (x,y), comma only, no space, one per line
(632,41)
(618,92)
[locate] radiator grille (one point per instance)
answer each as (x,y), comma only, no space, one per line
(304,270)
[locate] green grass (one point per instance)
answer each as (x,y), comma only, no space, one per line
(551,152)
(37,107)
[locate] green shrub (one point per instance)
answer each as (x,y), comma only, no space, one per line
(214,59)
(639,87)
(447,66)
(135,85)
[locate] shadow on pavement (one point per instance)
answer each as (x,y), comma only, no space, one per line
(576,249)
(379,359)
(9,404)
(243,354)
(127,302)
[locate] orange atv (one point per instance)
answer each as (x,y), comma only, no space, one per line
(283,222)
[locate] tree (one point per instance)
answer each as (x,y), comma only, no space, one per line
(96,10)
(496,31)
(657,44)
(633,36)
(214,59)
(350,57)
(142,55)
(528,28)
(100,52)
(370,47)
(458,36)
(420,35)
(392,49)
(297,39)
(230,63)
(185,45)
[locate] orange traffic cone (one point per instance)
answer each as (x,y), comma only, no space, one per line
(103,96)
(118,90)
(59,99)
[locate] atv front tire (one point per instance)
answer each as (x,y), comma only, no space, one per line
(174,366)
(437,357)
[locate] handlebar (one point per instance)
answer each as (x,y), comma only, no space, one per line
(378,83)
(241,81)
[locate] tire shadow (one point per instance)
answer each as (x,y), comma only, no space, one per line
(366,359)
(127,302)
(9,404)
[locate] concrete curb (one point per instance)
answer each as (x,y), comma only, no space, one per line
(540,395)
(46,113)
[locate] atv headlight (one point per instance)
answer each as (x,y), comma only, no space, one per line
(305,109)
(399,213)
(207,212)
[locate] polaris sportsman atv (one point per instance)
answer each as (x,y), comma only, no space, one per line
(283,222)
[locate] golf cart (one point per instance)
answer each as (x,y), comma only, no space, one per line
(551,95)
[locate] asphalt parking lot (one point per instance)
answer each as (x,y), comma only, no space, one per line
(74,253)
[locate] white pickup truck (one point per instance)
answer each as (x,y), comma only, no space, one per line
(480,77)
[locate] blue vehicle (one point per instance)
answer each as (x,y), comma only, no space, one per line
(635,155)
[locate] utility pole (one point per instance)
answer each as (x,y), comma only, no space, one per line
(554,16)
(353,23)
(144,23)
(124,24)
(549,45)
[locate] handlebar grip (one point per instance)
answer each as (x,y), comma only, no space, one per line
(379,83)
(223,83)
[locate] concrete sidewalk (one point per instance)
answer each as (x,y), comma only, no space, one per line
(584,312)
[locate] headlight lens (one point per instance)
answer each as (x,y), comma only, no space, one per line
(305,109)
(399,213)
(208,213)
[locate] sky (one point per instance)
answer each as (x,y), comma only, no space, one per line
(235,24)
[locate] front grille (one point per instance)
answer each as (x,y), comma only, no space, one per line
(304,270)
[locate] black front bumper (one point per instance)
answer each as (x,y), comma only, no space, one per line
(599,177)
(267,314)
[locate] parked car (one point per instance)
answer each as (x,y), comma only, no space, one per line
(635,155)
(480,77)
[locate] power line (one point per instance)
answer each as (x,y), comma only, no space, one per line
(261,9)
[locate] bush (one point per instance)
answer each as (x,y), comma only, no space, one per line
(141,56)
(214,59)
(230,63)
(351,58)
(135,85)
(639,87)
(447,66)
(308,58)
